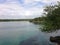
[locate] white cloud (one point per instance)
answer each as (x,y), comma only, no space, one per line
(16,11)
(43,1)
(13,9)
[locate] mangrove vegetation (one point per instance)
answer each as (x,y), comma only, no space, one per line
(51,18)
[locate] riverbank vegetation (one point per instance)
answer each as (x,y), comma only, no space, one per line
(14,20)
(51,20)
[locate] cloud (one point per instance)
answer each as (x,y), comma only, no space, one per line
(11,11)
(23,8)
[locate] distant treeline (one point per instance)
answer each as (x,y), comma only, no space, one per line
(15,19)
(38,20)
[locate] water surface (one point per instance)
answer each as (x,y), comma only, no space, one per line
(23,33)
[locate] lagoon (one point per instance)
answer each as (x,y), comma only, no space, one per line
(24,33)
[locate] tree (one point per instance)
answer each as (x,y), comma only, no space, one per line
(52,20)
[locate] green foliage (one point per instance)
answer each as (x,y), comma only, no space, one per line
(52,20)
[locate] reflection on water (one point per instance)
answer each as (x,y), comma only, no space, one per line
(42,29)
(23,33)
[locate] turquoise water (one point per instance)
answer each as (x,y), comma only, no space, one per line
(13,33)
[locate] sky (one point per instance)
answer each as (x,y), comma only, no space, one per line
(23,9)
